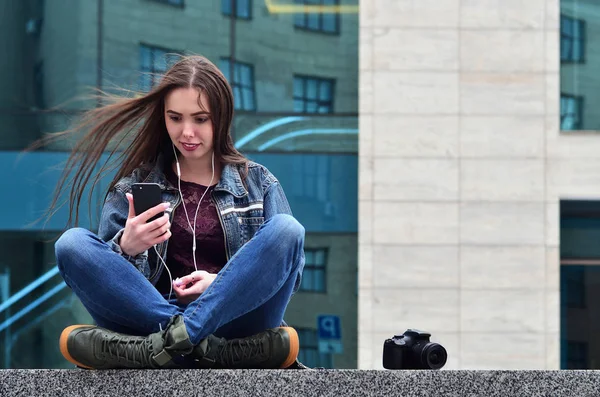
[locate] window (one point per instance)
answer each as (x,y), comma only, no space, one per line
(242,83)
(579,279)
(314,180)
(571,112)
(309,350)
(572,39)
(318,22)
(243,8)
(313,94)
(154,63)
(577,355)
(573,289)
(314,277)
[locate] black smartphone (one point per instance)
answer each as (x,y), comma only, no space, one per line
(146,196)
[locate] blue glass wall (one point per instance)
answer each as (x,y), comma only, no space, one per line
(580,284)
(321,189)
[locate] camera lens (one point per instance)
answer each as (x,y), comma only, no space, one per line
(434,356)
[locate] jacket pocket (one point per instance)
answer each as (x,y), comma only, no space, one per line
(249,226)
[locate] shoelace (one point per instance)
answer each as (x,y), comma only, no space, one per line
(240,350)
(132,350)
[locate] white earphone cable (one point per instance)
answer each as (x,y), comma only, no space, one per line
(193,228)
(168,271)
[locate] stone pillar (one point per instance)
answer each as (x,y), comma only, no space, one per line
(457,234)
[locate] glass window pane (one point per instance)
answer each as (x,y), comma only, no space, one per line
(320,258)
(313,280)
(226,7)
(330,22)
(577,355)
(237,97)
(311,89)
(246,75)
(311,107)
(224,67)
(319,281)
(172,58)
(309,169)
(237,73)
(160,61)
(298,87)
(577,29)
(248,99)
(306,282)
(243,8)
(325,91)
(145,82)
(312,21)
(565,49)
(566,25)
(574,73)
(309,256)
(575,70)
(577,50)
(145,58)
(299,106)
(324,109)
(309,338)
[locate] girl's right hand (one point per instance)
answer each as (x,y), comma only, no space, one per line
(138,235)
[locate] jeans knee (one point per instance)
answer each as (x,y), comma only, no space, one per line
(69,246)
(288,230)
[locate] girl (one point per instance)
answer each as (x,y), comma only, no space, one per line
(209,281)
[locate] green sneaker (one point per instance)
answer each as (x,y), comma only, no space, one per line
(271,349)
(92,347)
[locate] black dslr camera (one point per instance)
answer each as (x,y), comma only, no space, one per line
(413,350)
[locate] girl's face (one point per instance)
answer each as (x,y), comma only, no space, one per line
(189,125)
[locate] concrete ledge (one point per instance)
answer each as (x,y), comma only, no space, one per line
(297,383)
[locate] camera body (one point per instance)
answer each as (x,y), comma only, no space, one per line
(413,350)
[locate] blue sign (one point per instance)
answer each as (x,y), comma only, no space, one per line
(330,334)
(329,327)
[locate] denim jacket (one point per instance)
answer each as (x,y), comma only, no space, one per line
(241,210)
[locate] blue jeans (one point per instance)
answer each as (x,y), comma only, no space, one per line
(250,294)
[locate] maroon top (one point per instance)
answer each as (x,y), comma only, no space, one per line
(210,240)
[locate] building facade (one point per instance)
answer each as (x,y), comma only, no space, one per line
(294,77)
(468,206)
(475,171)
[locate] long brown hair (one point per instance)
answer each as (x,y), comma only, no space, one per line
(141,120)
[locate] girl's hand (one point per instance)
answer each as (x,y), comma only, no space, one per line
(138,235)
(190,287)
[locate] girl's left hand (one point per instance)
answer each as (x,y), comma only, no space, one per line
(190,287)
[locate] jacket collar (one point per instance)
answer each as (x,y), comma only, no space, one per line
(231,180)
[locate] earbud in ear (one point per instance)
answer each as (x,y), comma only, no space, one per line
(176,160)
